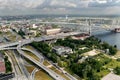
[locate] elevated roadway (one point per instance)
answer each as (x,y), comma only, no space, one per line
(37,39)
(27,41)
(49,71)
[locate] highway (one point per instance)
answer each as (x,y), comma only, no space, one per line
(22,67)
(42,59)
(8,48)
(15,66)
(27,41)
(37,39)
(33,73)
(23,73)
(36,53)
(61,23)
(49,71)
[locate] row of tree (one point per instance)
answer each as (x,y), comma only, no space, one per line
(45,49)
(8,64)
(117,70)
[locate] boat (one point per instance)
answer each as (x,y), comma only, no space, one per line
(117,30)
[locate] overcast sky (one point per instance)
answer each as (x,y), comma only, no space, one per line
(94,7)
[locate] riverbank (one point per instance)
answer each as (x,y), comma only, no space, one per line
(117,55)
(109,37)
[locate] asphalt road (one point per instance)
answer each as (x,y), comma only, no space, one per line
(27,41)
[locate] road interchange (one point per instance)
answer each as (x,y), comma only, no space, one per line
(21,43)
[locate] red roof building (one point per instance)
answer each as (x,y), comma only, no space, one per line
(81,36)
(2,64)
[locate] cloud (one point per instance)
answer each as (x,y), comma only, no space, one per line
(19,4)
(57,3)
(104,3)
(60,6)
(32,3)
(63,3)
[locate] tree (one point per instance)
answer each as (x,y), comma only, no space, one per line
(105,45)
(112,50)
(21,33)
(117,70)
(87,69)
(115,46)
(6,58)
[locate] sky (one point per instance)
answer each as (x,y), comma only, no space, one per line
(82,7)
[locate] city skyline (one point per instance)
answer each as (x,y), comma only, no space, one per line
(82,7)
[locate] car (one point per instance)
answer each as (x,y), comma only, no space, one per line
(19,41)
(32,38)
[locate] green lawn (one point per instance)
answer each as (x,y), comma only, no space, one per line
(117,54)
(111,65)
(60,73)
(41,75)
(32,55)
(46,63)
(30,68)
(12,37)
(29,47)
(103,73)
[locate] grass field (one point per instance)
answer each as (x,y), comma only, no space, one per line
(41,75)
(46,63)
(55,70)
(30,68)
(117,54)
(113,64)
(60,73)
(110,65)
(32,55)
(103,73)
(29,47)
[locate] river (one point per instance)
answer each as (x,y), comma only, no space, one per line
(110,37)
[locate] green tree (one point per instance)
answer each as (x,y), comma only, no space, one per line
(117,70)
(112,50)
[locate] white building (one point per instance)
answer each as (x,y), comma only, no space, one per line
(34,26)
(52,31)
(60,50)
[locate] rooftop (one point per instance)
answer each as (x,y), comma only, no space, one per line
(111,76)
